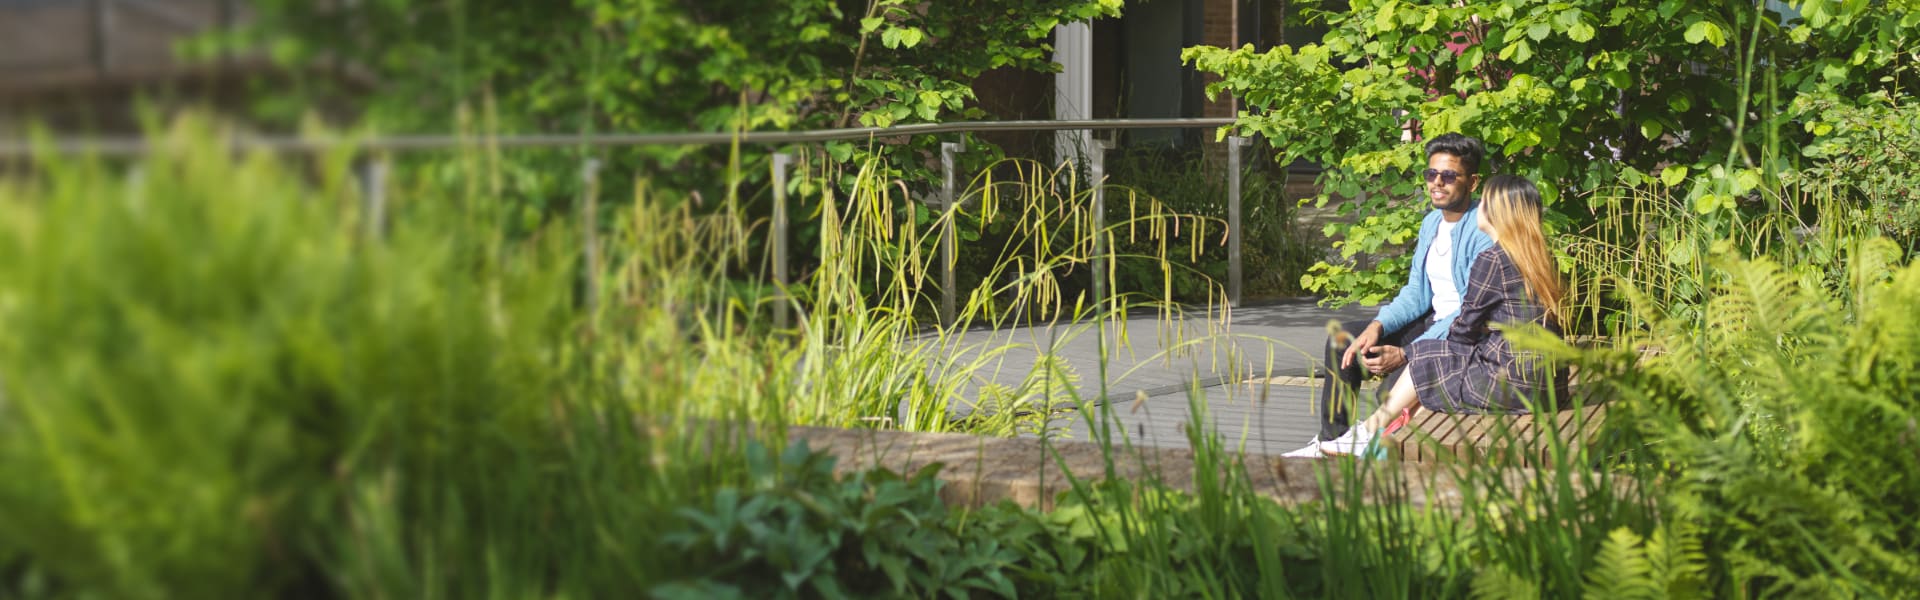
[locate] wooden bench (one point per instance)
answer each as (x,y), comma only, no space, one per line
(1433,436)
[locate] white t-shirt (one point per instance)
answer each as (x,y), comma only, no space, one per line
(1446,292)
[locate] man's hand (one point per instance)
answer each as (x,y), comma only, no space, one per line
(1361,343)
(1386,358)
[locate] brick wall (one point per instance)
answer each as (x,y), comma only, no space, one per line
(1013,94)
(1217,28)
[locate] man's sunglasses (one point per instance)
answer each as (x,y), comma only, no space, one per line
(1446,177)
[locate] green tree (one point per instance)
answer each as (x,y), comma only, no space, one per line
(655,66)
(1575,94)
(670,65)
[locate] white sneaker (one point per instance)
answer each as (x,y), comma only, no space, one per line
(1356,441)
(1311,451)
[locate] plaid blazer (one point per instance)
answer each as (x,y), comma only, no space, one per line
(1475,369)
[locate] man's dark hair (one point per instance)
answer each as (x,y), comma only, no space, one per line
(1468,150)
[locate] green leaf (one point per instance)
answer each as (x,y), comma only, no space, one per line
(1673,175)
(840,151)
(1680,252)
(1834,71)
(1383,20)
(1580,32)
(1746,180)
(815,32)
(1578,84)
(1704,30)
(1679,103)
(1633,177)
(911,36)
(869,24)
(1518,52)
(1650,129)
(1471,58)
(929,105)
(1816,14)
(1539,31)
(1619,79)
(1709,203)
(1566,19)
(1668,8)
(1432,18)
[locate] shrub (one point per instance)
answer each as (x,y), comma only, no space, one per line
(798,531)
(1785,419)
(217,384)
(1869,151)
(1182,183)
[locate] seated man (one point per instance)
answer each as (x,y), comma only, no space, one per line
(1442,260)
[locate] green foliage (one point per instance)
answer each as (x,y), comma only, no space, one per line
(1146,182)
(1574,95)
(1785,414)
(799,532)
(1374,236)
(488,67)
(1627,569)
(667,66)
(219,383)
(1025,235)
(1647,238)
(210,375)
(1870,149)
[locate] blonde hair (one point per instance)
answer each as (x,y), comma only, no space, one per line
(1511,207)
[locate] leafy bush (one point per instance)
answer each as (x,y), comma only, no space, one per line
(660,66)
(797,531)
(1870,150)
(1574,95)
(211,376)
(1786,417)
(1182,183)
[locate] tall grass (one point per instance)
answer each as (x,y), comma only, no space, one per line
(217,378)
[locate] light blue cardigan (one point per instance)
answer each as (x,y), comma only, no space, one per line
(1416,298)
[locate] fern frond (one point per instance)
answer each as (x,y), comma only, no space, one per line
(1621,571)
(1677,565)
(1497,583)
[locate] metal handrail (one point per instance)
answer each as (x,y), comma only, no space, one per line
(133,146)
(374,176)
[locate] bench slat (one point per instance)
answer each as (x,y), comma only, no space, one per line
(1434,436)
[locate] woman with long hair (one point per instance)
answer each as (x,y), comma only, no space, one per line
(1474,369)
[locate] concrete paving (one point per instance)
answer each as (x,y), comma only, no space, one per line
(1244,368)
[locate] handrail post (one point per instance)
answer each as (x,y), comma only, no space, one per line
(1235,276)
(780,162)
(590,225)
(373,189)
(1097,169)
(99,51)
(948,204)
